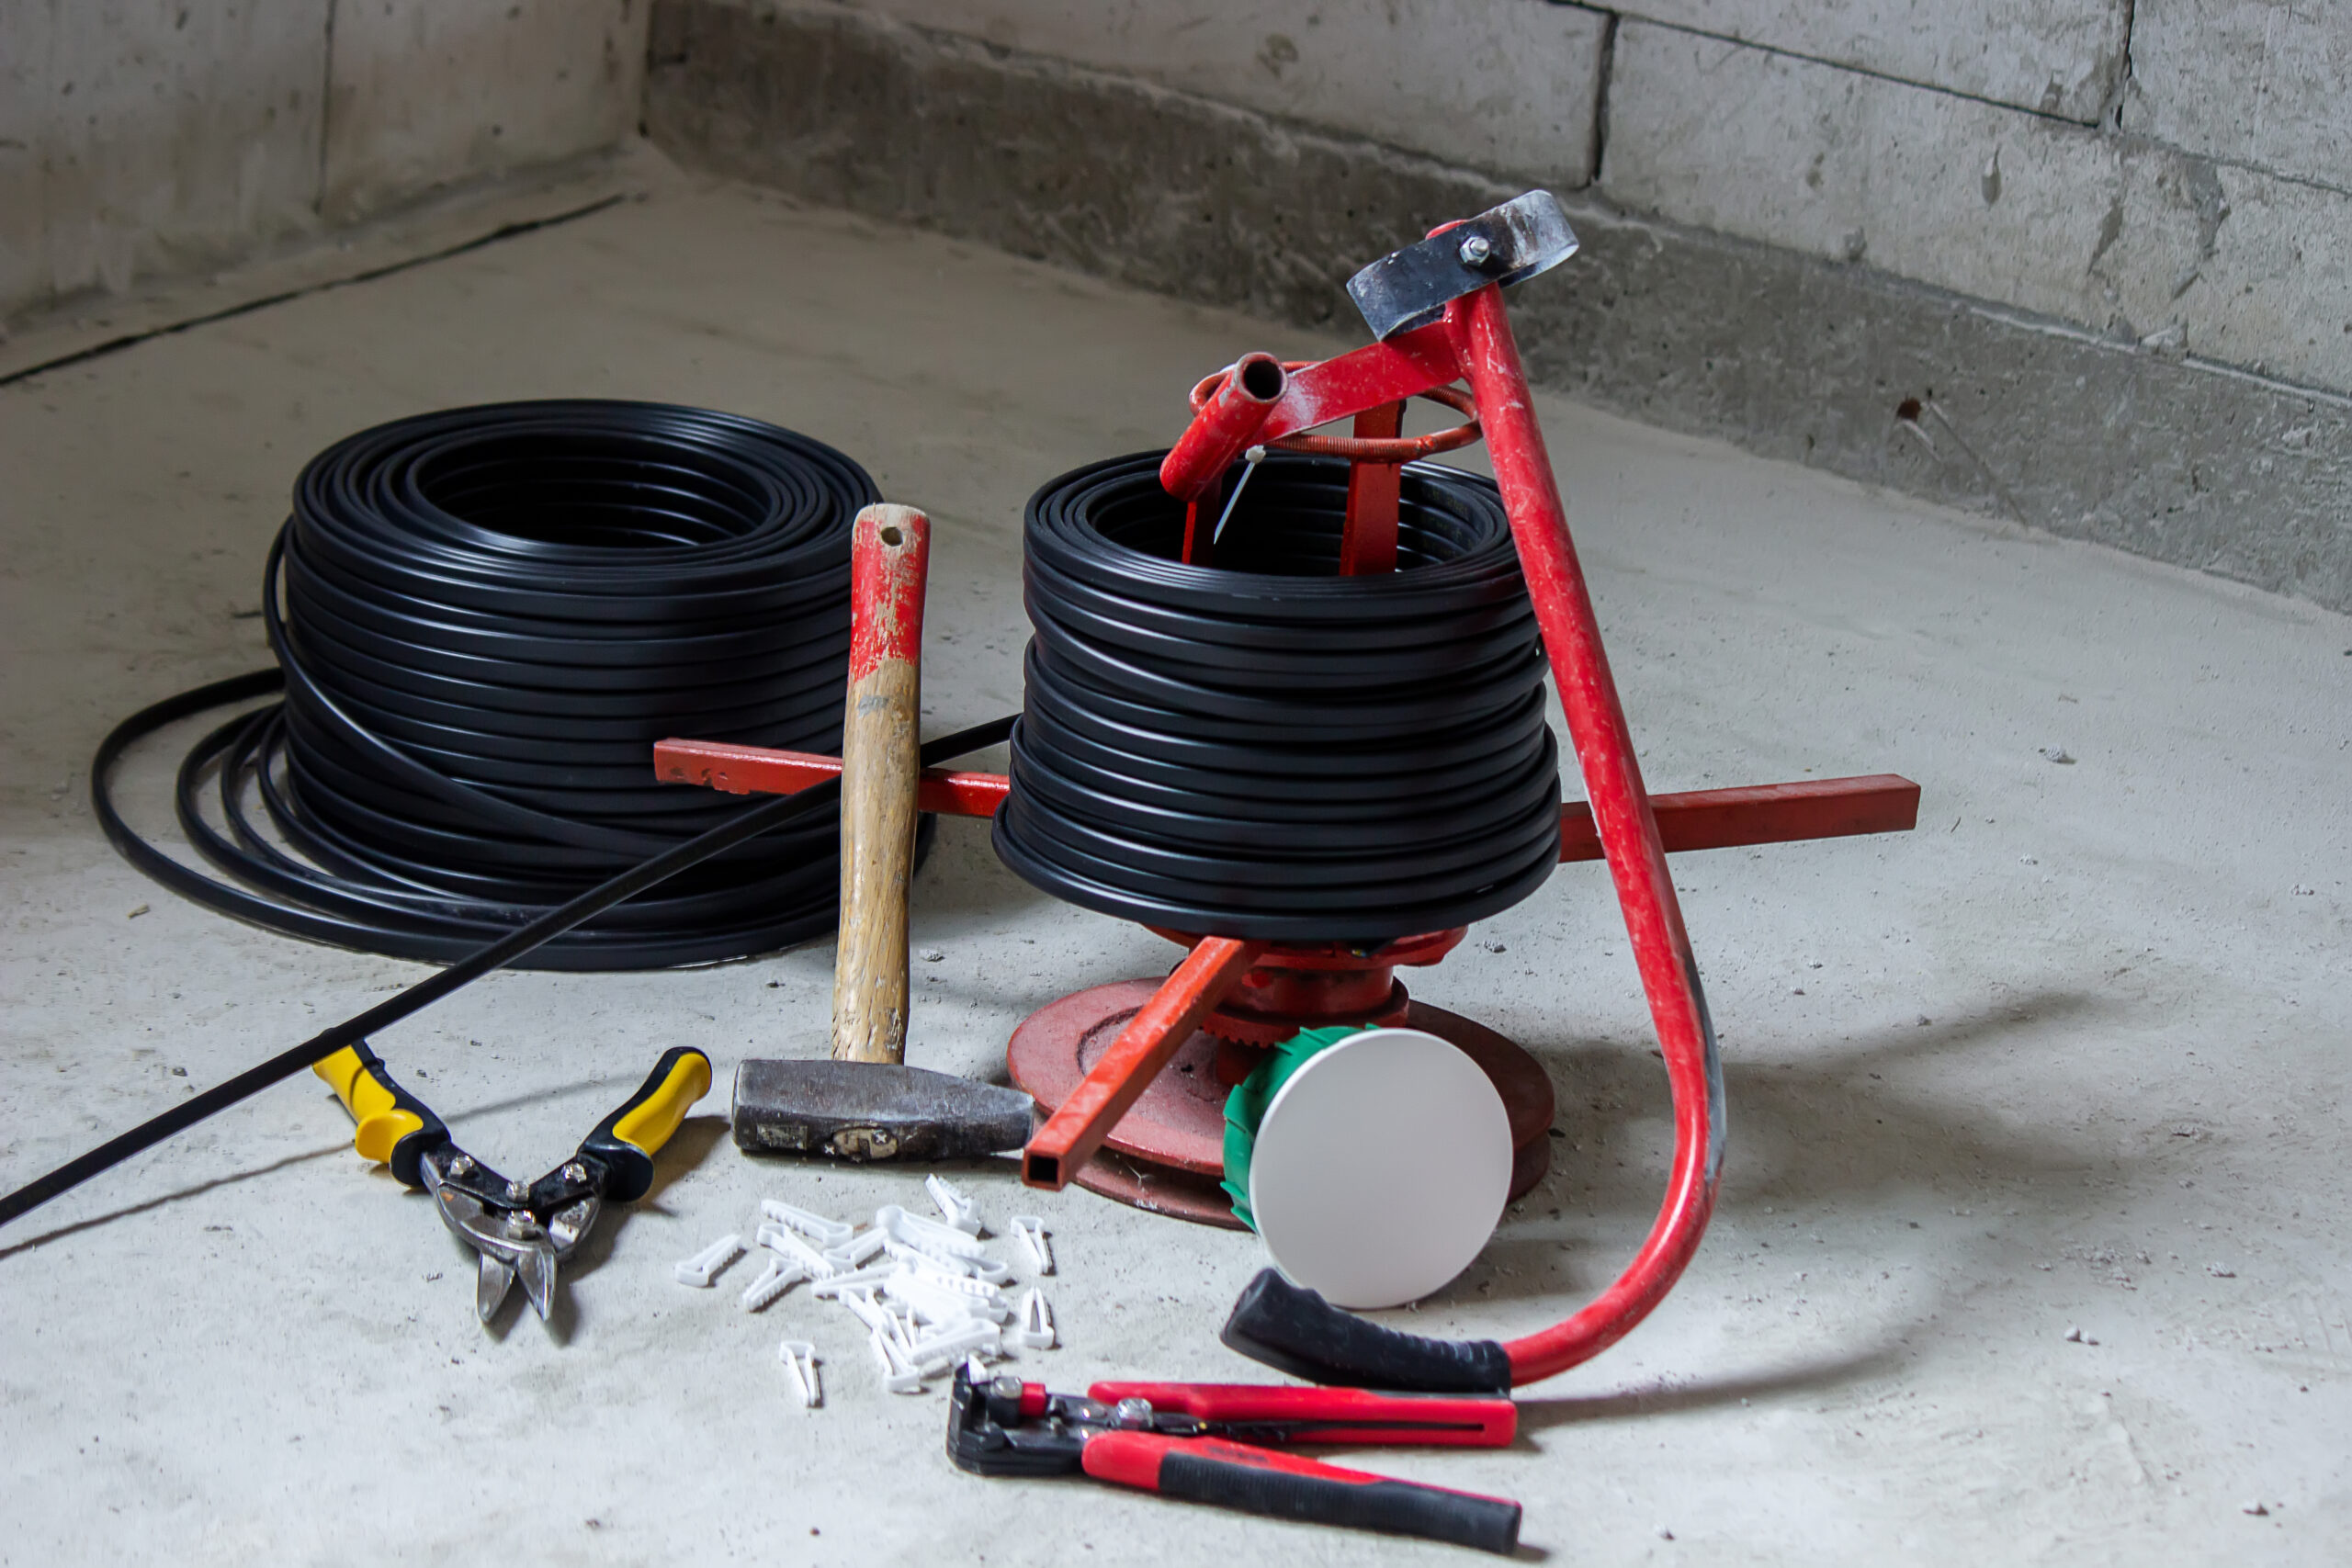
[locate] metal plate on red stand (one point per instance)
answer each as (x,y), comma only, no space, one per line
(1166,1154)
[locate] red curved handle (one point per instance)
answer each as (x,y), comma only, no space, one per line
(1620,810)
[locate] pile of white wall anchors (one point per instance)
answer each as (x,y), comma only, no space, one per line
(927,1290)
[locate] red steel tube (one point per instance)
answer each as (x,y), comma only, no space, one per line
(1628,830)
(1226,425)
(1368,539)
(761,769)
(1071,1135)
(1760,813)
(1693,819)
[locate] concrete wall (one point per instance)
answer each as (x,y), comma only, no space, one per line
(154,136)
(1902,284)
(2178,171)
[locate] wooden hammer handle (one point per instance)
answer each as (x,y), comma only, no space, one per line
(889,557)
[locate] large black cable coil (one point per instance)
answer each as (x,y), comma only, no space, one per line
(1267,749)
(489,616)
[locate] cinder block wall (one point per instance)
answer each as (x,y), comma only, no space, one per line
(158,136)
(2176,173)
(2086,264)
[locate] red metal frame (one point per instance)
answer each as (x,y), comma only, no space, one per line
(1621,823)
(1077,1128)
(1694,819)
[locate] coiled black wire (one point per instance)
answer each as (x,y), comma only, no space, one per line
(489,616)
(1266,748)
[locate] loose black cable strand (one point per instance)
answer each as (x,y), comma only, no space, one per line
(746,825)
(1265,749)
(483,618)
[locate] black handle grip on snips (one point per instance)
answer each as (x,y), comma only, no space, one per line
(1298,1332)
(1285,1486)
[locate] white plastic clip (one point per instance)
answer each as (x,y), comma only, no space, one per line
(921,1252)
(1037,1329)
(894,1325)
(929,1234)
(930,1260)
(939,1300)
(954,1206)
(816,1227)
(781,1275)
(703,1268)
(898,1373)
(865,1279)
(1030,1231)
(799,1359)
(937,1352)
(858,1250)
(921,1271)
(776,1238)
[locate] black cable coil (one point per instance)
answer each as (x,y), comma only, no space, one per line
(490,614)
(1266,748)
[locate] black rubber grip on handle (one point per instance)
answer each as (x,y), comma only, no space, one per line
(1394,1507)
(1298,1332)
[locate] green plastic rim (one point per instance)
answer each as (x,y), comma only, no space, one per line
(1244,1107)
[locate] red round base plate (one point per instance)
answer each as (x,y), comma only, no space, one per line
(1166,1154)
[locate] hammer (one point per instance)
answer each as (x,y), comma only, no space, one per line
(866,1103)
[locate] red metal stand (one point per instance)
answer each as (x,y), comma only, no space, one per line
(1099,1058)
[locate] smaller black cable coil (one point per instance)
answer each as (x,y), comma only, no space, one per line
(489,616)
(1266,748)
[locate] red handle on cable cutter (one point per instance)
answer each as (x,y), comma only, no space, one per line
(1285,1413)
(1283,1486)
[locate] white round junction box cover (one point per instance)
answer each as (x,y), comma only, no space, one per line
(1380,1168)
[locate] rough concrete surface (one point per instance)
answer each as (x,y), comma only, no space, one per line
(2065,59)
(1489,84)
(2149,448)
(2116,235)
(139,136)
(2030,1246)
(430,94)
(2257,82)
(157,137)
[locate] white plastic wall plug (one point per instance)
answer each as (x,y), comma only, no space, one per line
(781,1275)
(704,1267)
(893,1323)
(954,1206)
(899,1374)
(922,1271)
(816,1227)
(799,1359)
(938,1303)
(857,1250)
(1030,1231)
(916,1230)
(1035,1330)
(865,1309)
(945,1347)
(920,1251)
(946,1266)
(777,1238)
(856,1278)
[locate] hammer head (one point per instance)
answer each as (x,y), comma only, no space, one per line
(1504,246)
(871,1110)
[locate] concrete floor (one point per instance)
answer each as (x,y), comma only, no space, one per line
(2072,1056)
